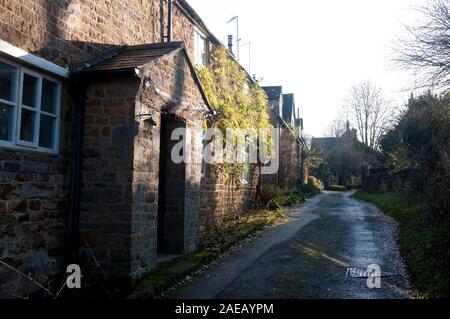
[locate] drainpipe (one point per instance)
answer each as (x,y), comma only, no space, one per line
(166,37)
(169,22)
(74,213)
(161,19)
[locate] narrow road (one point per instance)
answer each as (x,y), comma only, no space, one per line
(308,257)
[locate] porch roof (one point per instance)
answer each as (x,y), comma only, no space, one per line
(127,58)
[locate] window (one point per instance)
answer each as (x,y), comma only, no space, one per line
(204,167)
(29,109)
(245,172)
(200,48)
(8,85)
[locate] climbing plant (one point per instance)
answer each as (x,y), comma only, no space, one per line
(238,102)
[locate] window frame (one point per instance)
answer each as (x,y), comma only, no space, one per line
(16,142)
(204,38)
(13,105)
(245,175)
(203,168)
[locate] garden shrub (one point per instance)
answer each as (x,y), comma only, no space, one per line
(315,182)
(272,197)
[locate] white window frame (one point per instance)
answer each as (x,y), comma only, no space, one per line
(245,174)
(204,38)
(204,167)
(13,105)
(16,142)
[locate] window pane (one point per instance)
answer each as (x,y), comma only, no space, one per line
(6,118)
(29,90)
(27,123)
(7,77)
(49,96)
(200,49)
(46,131)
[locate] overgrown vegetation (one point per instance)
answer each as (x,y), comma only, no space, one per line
(424,244)
(238,102)
(294,198)
(421,140)
(273,197)
(313,186)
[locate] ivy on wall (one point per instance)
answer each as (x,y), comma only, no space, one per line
(238,102)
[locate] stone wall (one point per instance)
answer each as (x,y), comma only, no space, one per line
(290,175)
(107,176)
(223,199)
(34,203)
(122,171)
(181,98)
(290,166)
(71,31)
(121,154)
(34,187)
(407,180)
(183,106)
(273,179)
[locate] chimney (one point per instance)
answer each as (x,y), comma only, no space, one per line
(230,44)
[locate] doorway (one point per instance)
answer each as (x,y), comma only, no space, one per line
(171,192)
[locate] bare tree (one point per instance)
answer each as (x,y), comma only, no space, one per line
(337,127)
(370,112)
(427,49)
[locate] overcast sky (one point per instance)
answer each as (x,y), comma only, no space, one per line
(317,49)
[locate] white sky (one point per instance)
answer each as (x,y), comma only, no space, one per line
(317,49)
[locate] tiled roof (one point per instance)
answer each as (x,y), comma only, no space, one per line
(127,57)
(324,143)
(288,107)
(273,92)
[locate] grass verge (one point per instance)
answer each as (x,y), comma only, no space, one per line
(214,243)
(423,243)
(337,188)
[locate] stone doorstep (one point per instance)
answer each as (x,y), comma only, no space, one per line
(163,258)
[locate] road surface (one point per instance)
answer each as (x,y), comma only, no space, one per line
(309,256)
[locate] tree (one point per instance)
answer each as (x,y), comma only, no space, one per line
(421,140)
(337,127)
(344,162)
(427,49)
(370,111)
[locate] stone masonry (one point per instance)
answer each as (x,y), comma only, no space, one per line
(35,187)
(71,31)
(225,199)
(121,166)
(121,203)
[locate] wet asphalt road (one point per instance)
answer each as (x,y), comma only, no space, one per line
(308,256)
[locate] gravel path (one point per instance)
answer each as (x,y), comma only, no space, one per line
(308,256)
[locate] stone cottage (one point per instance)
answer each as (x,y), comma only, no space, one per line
(285,116)
(90,93)
(134,200)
